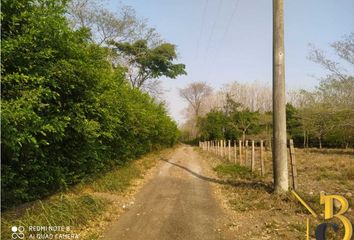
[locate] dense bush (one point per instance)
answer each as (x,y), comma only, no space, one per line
(233,122)
(66,113)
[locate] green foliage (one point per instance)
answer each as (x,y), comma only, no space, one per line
(62,211)
(234,171)
(293,122)
(244,122)
(150,62)
(212,125)
(327,113)
(323,117)
(66,114)
(232,123)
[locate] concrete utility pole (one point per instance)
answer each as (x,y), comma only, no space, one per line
(280,163)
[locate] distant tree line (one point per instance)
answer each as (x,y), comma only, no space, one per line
(320,118)
(325,116)
(68,110)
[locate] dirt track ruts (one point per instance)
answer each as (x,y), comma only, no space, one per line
(178,203)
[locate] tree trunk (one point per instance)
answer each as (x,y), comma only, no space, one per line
(304,139)
(320,142)
(269,145)
(269,139)
(280,162)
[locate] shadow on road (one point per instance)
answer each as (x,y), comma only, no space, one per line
(234,183)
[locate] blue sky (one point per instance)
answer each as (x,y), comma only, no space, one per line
(222,41)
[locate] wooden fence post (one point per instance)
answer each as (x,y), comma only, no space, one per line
(262,160)
(225,149)
(214,146)
(246,152)
(220,147)
(240,151)
(235,151)
(225,145)
(220,153)
(293,164)
(252,156)
(229,143)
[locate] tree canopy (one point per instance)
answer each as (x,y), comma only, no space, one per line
(66,113)
(145,63)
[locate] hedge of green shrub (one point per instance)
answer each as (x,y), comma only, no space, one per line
(66,112)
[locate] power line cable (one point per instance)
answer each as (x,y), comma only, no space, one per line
(232,16)
(202,27)
(234,11)
(213,26)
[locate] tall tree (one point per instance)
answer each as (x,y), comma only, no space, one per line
(147,63)
(333,100)
(239,118)
(105,25)
(344,49)
(255,96)
(195,93)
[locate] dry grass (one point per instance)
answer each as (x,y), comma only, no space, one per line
(87,208)
(260,214)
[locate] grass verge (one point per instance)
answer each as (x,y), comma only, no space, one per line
(234,171)
(83,206)
(64,210)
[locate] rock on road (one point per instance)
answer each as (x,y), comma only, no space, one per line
(177,204)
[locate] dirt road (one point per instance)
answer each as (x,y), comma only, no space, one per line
(178,203)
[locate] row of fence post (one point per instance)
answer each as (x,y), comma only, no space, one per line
(238,151)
